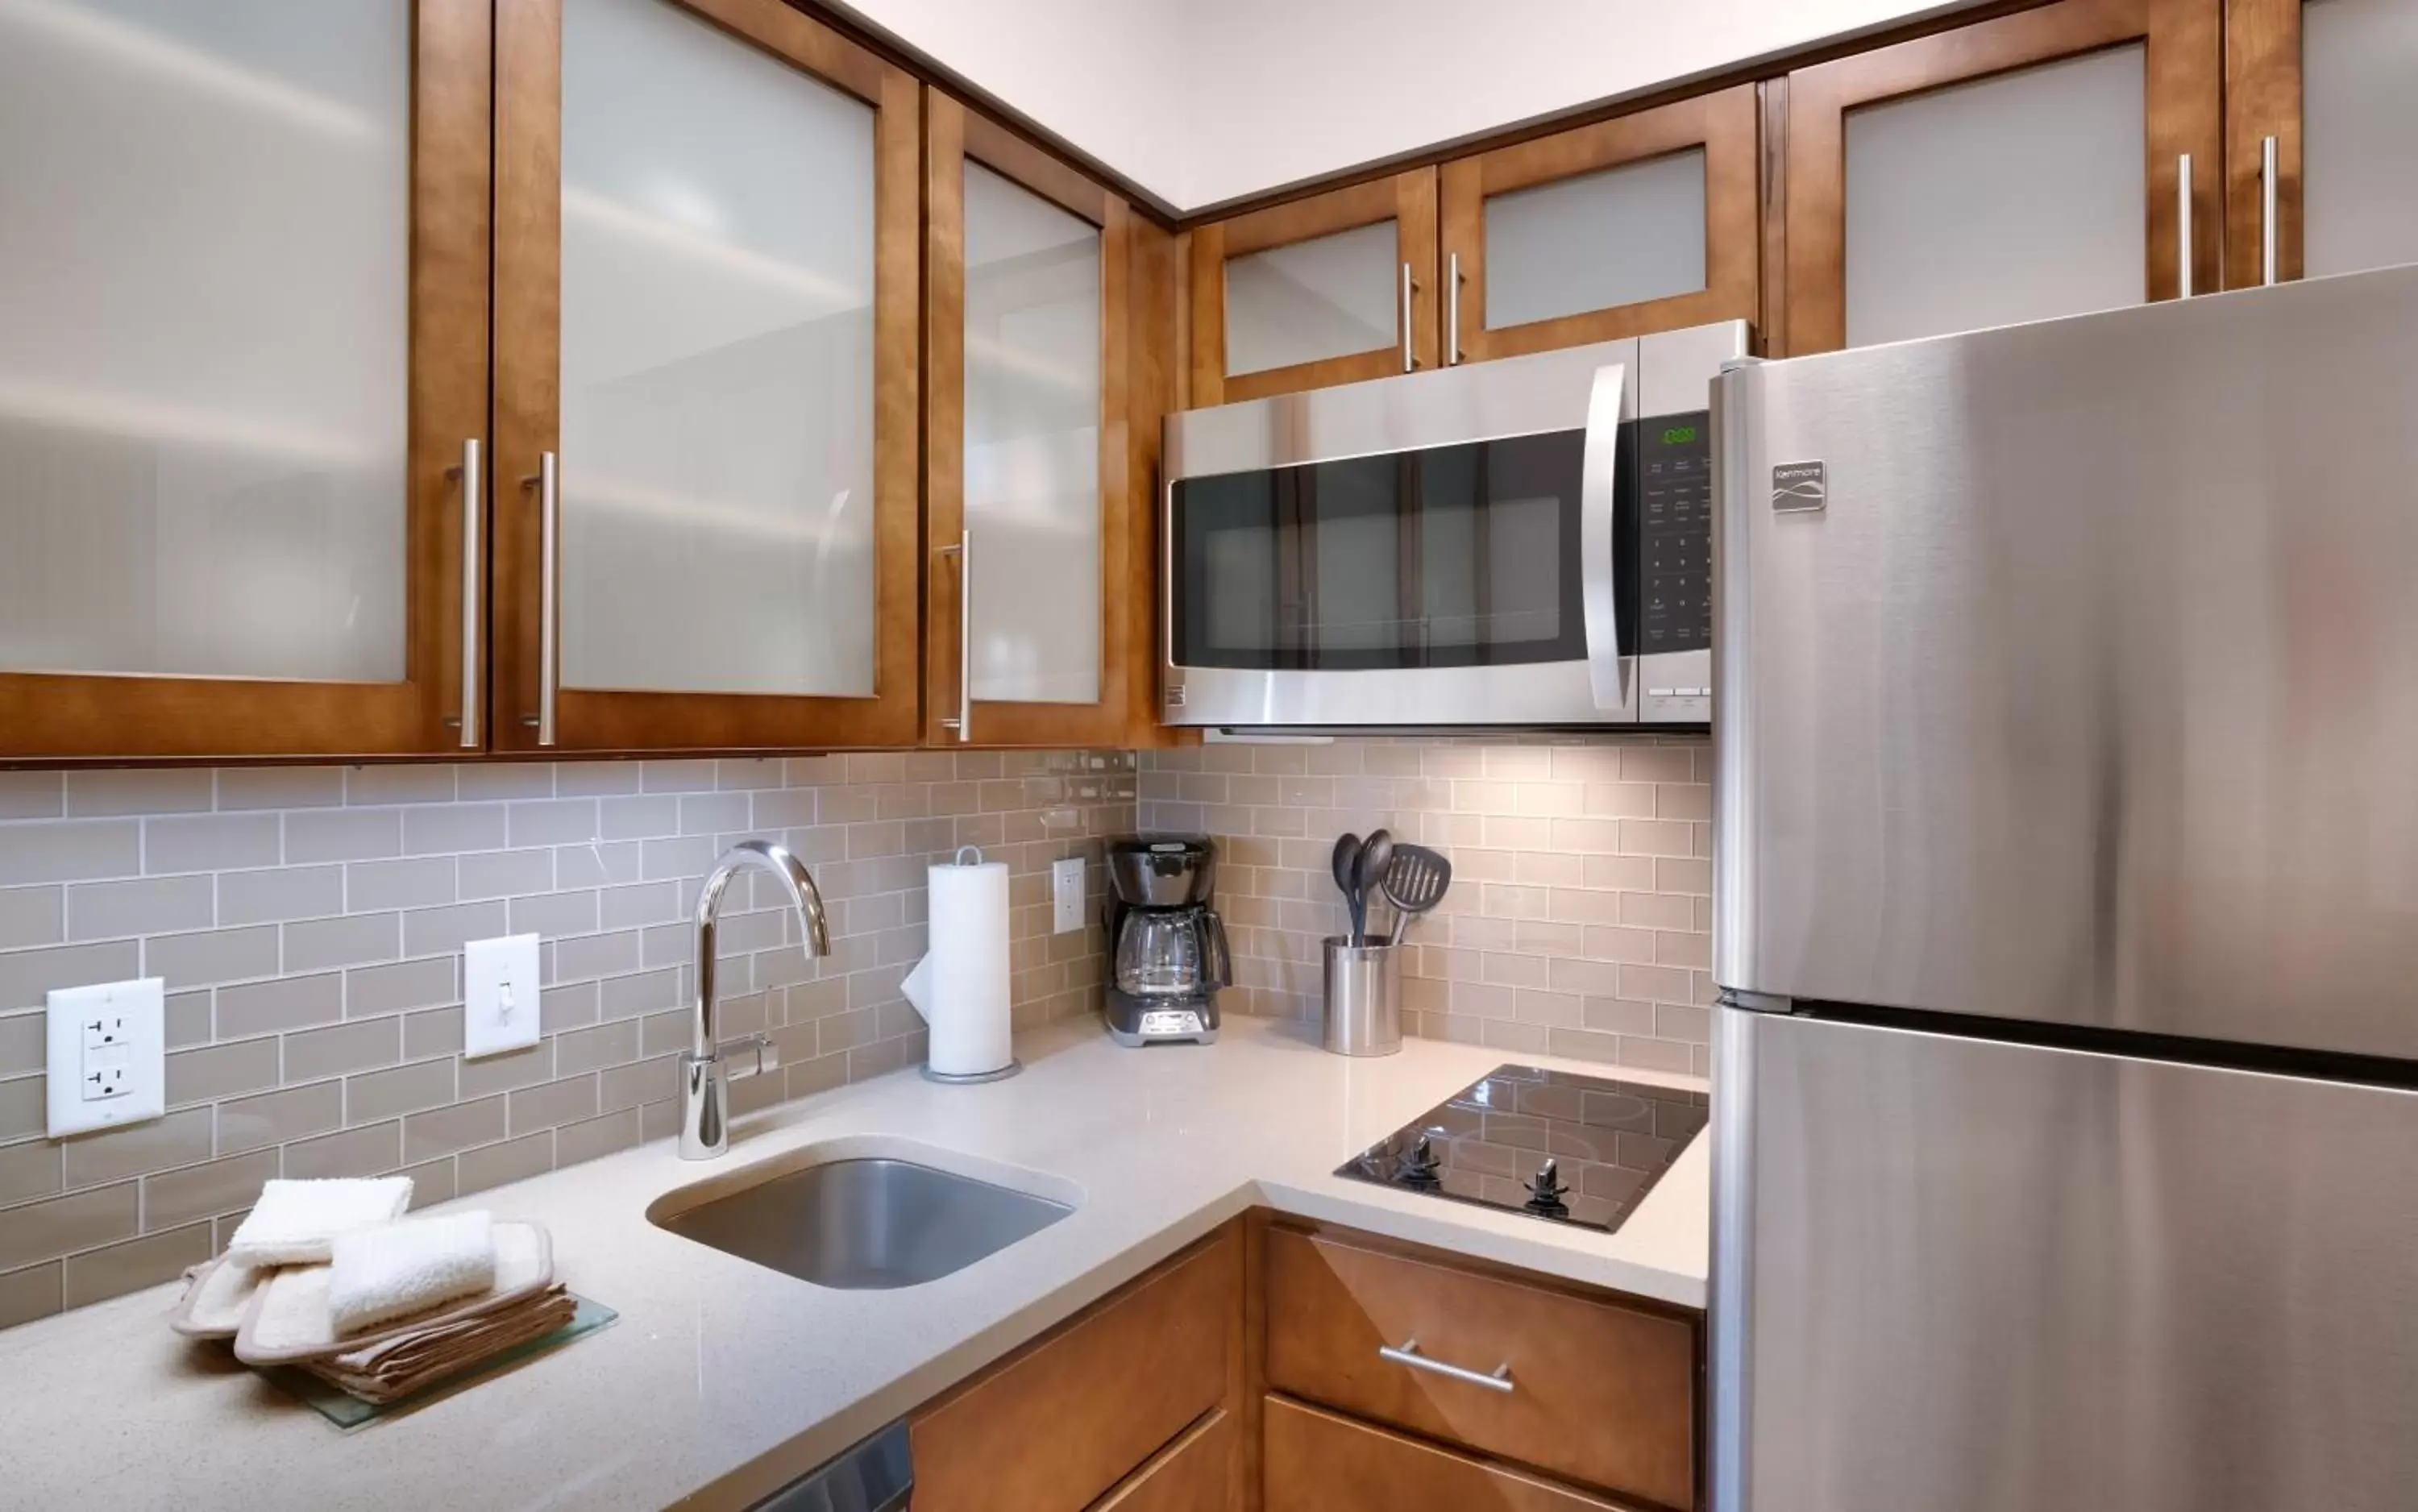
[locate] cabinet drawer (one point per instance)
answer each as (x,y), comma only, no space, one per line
(1600,1392)
(1319,1462)
(1059,1425)
(1195,1473)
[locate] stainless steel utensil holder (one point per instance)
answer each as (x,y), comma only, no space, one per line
(1364,996)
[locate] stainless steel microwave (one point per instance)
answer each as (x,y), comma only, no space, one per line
(1517,543)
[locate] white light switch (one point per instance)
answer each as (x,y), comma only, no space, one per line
(499,994)
(108,1058)
(1066,895)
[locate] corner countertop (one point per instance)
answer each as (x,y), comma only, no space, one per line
(723,1380)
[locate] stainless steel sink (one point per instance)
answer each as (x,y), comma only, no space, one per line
(863,1224)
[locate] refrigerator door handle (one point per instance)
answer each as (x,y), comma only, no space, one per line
(1598,570)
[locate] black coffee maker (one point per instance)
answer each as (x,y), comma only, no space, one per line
(1166,948)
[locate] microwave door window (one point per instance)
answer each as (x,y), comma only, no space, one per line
(1361,515)
(1498,524)
(1454,556)
(1239,599)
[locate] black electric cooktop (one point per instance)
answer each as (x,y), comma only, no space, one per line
(1567,1148)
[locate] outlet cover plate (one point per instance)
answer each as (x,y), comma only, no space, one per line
(109,1035)
(1066,895)
(499,994)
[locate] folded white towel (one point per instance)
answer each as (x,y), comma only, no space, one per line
(395,1270)
(295,1222)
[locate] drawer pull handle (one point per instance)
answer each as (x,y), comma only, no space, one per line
(1409,1354)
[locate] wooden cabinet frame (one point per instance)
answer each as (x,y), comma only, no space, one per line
(954,136)
(2185,107)
(527,403)
(1408,199)
(1723,124)
(64,716)
(2263,98)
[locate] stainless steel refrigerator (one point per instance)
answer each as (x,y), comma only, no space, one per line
(2066,914)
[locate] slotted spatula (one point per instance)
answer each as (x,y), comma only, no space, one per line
(1414,881)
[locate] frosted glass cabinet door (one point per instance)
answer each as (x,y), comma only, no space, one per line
(226,412)
(1647,222)
(709,567)
(1027,510)
(1032,406)
(2011,198)
(1334,288)
(2329,83)
(2021,168)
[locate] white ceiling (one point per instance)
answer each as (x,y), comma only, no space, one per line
(1202,103)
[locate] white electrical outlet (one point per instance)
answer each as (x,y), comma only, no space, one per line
(499,994)
(108,1055)
(1066,895)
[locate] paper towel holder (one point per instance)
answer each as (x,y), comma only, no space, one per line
(916,985)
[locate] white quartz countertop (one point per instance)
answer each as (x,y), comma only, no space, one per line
(723,1380)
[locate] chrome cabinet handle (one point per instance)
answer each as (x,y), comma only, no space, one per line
(2267,210)
(1598,577)
(1452,311)
(1409,361)
(549,591)
(1409,1354)
(472,528)
(2183,226)
(964,552)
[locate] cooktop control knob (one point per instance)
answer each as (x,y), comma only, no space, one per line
(1546,1192)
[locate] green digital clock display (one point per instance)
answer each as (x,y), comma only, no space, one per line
(1680,436)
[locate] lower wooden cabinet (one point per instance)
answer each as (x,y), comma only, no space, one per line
(1245,1372)
(1058,1425)
(1594,1390)
(1321,1462)
(1195,1473)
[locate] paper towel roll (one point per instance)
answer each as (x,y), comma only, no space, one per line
(960,985)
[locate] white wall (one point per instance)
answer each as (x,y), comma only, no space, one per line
(1105,75)
(1203,101)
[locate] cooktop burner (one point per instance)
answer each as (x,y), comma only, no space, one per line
(1569,1148)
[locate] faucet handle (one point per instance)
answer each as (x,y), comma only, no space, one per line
(758,1042)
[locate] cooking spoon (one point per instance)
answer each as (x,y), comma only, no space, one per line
(1376,854)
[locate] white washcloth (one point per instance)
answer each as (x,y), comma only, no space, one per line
(293,1223)
(395,1270)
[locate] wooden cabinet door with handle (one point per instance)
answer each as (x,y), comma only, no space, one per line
(243,401)
(706,380)
(1588,1389)
(2321,138)
(1644,222)
(2048,162)
(1330,289)
(1034,528)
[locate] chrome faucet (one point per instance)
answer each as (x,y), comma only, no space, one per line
(705,1095)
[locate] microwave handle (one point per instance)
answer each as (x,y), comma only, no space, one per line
(1599,574)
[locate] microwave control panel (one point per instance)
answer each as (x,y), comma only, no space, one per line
(1675,530)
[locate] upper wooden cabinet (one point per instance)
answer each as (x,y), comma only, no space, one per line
(1330,289)
(2031,165)
(1032,527)
(706,408)
(1640,223)
(243,287)
(2329,83)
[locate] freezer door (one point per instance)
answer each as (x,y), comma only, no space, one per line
(1957,1275)
(2090,690)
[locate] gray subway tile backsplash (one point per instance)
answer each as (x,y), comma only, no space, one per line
(308,919)
(315,1009)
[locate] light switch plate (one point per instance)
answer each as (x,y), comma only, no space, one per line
(499,994)
(108,1055)
(1066,895)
